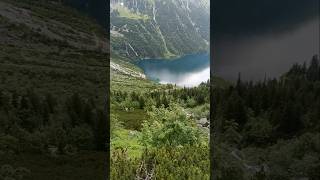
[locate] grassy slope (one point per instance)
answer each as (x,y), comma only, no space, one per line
(126,13)
(52,48)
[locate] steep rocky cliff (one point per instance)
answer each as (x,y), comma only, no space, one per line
(159,28)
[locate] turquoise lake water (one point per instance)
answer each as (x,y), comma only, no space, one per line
(188,71)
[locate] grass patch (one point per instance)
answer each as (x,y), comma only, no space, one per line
(128,140)
(126,13)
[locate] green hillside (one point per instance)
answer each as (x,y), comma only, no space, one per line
(53,72)
(50,43)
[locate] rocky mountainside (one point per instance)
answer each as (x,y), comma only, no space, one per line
(159,28)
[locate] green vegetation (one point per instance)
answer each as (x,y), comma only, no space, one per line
(129,83)
(29,166)
(53,73)
(124,12)
(34,125)
(186,162)
(156,132)
(71,19)
(166,135)
(269,129)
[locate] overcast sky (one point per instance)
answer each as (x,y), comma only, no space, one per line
(263,37)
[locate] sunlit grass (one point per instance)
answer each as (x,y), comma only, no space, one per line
(128,140)
(126,13)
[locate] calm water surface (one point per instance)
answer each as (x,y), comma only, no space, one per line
(188,71)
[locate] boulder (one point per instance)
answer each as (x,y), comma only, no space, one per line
(204,122)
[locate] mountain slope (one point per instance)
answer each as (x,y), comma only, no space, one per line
(53,73)
(159,28)
(50,42)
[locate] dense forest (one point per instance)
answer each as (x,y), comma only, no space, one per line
(48,128)
(268,129)
(32,123)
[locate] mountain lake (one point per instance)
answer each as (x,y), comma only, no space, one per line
(186,71)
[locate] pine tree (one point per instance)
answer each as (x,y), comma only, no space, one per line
(313,70)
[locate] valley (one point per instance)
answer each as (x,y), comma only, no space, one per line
(157,46)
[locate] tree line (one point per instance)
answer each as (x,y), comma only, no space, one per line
(189,97)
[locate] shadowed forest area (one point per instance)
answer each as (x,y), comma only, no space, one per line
(269,129)
(53,74)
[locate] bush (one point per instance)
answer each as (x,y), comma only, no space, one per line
(185,162)
(191,102)
(9,144)
(56,135)
(258,130)
(34,142)
(169,126)
(8,172)
(225,165)
(82,137)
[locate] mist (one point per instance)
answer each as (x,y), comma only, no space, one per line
(190,79)
(265,40)
(268,54)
